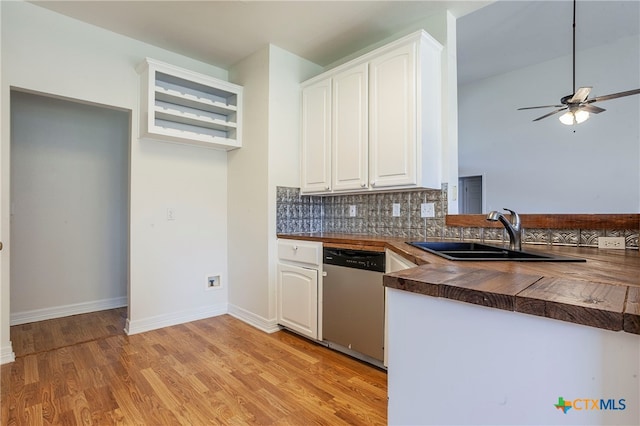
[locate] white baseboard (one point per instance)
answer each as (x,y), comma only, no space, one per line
(268,326)
(174,318)
(17,318)
(6,354)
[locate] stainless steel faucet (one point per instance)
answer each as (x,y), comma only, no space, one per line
(513,227)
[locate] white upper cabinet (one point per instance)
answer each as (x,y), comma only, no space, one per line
(386,130)
(350,129)
(183,106)
(392,119)
(316,137)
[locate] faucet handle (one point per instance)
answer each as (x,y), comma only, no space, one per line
(515,218)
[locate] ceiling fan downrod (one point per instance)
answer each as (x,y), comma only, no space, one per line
(574,47)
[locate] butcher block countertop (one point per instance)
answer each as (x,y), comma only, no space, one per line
(602,292)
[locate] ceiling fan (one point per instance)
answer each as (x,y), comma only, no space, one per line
(577,105)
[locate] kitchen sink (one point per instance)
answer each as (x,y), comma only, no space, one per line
(484,252)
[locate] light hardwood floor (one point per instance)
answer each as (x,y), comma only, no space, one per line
(213,371)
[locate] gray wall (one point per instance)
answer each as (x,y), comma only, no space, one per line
(545,166)
(69,195)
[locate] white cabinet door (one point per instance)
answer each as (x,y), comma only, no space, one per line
(298,299)
(392,118)
(316,137)
(350,129)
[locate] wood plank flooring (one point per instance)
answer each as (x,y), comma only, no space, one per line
(213,371)
(52,334)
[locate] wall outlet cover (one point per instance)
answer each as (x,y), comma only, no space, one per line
(395,210)
(617,243)
(427,210)
(352,210)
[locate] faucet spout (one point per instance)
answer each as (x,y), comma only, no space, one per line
(512,226)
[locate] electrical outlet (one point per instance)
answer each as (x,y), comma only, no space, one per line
(611,242)
(213,281)
(427,210)
(395,212)
(352,210)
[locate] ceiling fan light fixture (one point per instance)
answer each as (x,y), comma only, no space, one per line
(574,117)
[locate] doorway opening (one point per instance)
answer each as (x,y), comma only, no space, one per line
(69,207)
(470,200)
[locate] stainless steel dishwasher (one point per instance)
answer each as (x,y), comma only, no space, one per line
(353,303)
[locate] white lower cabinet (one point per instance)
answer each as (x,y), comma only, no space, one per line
(298,270)
(298,300)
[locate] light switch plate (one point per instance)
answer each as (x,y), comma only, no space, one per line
(396,210)
(352,210)
(171,213)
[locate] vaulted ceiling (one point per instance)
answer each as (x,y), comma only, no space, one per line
(493,37)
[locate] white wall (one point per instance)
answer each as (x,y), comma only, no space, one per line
(6,351)
(268,158)
(69,207)
(455,363)
(450,115)
(248,195)
(545,166)
(50,53)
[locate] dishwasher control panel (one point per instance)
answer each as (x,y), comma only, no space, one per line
(358,259)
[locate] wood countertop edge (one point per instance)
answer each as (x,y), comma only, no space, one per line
(631,317)
(624,316)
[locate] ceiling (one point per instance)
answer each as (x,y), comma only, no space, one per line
(508,35)
(223,32)
(492,37)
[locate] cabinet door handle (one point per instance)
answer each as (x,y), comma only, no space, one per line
(327,188)
(295,248)
(363,184)
(373,183)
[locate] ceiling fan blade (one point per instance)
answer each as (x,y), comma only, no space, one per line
(592,109)
(580,95)
(614,95)
(542,106)
(551,113)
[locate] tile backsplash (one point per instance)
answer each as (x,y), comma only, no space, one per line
(373,216)
(373,213)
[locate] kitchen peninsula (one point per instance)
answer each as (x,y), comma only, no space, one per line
(501,342)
